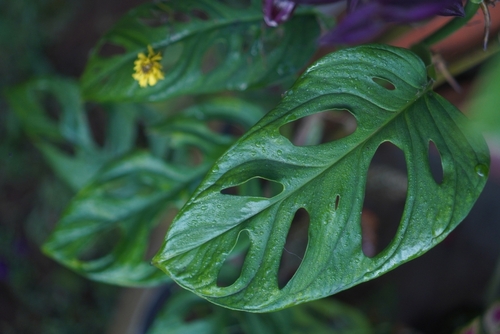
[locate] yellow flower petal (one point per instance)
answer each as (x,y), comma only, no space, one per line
(147,69)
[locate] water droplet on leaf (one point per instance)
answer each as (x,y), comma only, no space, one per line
(482,170)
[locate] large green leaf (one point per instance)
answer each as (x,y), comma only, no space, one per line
(207,46)
(105,232)
(328,181)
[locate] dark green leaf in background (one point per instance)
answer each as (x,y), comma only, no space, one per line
(387,90)
(184,312)
(207,46)
(53,115)
(107,232)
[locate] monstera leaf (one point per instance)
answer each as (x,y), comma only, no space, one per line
(108,229)
(206,46)
(53,115)
(387,90)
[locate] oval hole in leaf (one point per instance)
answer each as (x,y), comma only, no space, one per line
(155,239)
(181,17)
(255,187)
(321,127)
(384,83)
(200,14)
(98,120)
(189,156)
(232,266)
(435,163)
(385,197)
(237,4)
(157,18)
(213,57)
(110,49)
(170,56)
(198,311)
(51,105)
(53,109)
(294,248)
(225,127)
(101,245)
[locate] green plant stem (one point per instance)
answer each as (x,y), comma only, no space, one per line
(470,9)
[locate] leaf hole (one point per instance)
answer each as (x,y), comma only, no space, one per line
(54,111)
(233,265)
(294,248)
(200,14)
(180,17)
(237,4)
(187,155)
(385,197)
(337,202)
(321,127)
(213,57)
(156,17)
(225,127)
(100,244)
(98,122)
(110,49)
(171,56)
(384,83)
(156,236)
(52,107)
(435,162)
(255,187)
(198,311)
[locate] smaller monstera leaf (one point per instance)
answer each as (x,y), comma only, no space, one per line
(53,115)
(104,231)
(184,312)
(205,46)
(387,91)
(108,230)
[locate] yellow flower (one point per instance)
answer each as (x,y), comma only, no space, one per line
(147,68)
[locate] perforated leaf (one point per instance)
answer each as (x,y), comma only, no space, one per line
(53,115)
(328,181)
(107,231)
(206,45)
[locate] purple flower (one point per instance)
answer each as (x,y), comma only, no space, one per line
(278,11)
(370,19)
(367,19)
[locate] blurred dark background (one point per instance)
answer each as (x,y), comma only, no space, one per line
(433,294)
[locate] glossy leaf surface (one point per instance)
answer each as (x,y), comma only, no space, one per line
(328,181)
(106,232)
(207,46)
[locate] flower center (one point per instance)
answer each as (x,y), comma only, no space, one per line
(146,68)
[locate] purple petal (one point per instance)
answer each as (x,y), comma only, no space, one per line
(456,8)
(412,13)
(277,11)
(357,27)
(403,11)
